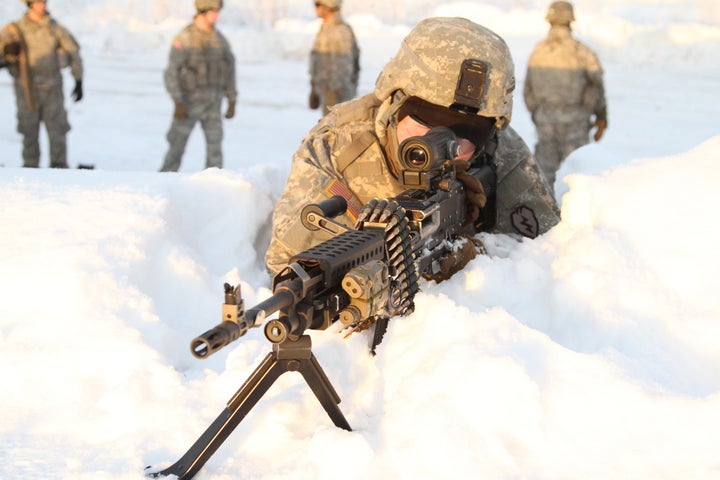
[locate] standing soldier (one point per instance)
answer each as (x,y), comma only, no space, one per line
(35,48)
(200,73)
(334,60)
(564,92)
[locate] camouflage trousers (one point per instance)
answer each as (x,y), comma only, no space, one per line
(208,113)
(50,110)
(555,142)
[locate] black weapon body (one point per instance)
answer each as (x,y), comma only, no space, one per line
(309,292)
(361,276)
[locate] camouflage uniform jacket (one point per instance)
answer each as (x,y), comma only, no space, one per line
(334,60)
(201,63)
(50,47)
(564,81)
(342,155)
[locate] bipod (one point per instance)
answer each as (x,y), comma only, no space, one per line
(288,356)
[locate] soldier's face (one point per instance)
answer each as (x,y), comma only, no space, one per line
(212,16)
(38,8)
(321,10)
(412,127)
(38,5)
(476,129)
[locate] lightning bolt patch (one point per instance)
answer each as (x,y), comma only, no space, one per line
(523,220)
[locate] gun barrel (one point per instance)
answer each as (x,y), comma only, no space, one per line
(216,338)
(282,298)
(228,331)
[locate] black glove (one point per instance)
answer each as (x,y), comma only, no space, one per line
(180,111)
(601,125)
(12,49)
(230,110)
(314,100)
(77,93)
(475,198)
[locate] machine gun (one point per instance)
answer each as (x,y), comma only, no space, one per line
(361,276)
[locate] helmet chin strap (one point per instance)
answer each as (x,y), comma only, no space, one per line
(385,128)
(387,110)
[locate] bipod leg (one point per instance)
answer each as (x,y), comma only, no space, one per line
(322,388)
(288,356)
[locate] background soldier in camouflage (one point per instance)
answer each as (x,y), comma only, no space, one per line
(334,60)
(353,151)
(564,92)
(36,47)
(200,73)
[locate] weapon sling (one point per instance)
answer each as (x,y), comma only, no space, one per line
(24,68)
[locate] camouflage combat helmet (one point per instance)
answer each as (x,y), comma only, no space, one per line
(456,64)
(205,5)
(331,4)
(560,13)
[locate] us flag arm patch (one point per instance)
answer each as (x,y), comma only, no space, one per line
(336,187)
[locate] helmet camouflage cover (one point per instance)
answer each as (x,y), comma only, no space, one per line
(205,5)
(456,64)
(560,13)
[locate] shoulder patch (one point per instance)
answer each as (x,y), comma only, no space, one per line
(177,45)
(336,187)
(525,222)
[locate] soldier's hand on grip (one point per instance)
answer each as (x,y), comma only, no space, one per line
(456,260)
(475,197)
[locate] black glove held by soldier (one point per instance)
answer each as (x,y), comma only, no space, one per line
(77,93)
(600,125)
(314,100)
(12,49)
(230,110)
(180,111)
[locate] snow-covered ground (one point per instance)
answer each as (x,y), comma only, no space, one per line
(590,352)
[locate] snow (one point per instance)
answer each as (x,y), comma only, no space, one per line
(590,352)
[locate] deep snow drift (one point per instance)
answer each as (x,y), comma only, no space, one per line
(590,352)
